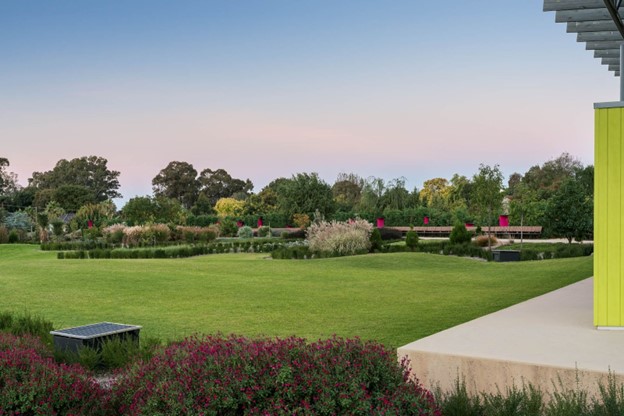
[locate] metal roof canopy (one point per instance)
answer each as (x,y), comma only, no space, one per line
(597,23)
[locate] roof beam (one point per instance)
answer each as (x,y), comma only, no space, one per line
(591,26)
(608,44)
(610,61)
(598,36)
(607,53)
(581,15)
(614,67)
(615,16)
(554,5)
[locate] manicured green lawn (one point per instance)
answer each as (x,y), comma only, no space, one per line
(393,298)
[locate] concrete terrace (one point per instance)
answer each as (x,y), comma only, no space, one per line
(541,341)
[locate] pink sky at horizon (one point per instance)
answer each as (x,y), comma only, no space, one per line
(378,92)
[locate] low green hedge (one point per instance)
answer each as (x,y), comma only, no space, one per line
(172,252)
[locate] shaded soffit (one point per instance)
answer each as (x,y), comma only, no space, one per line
(597,23)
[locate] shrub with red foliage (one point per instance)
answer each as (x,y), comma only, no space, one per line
(32,384)
(235,375)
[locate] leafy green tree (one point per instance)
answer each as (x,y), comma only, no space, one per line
(546,179)
(8,180)
(569,212)
(372,193)
(229,207)
(178,180)
(72,197)
(395,195)
(91,172)
(202,206)
(487,187)
(305,193)
(435,193)
(140,210)
(219,184)
(347,191)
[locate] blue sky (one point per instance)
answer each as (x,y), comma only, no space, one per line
(269,88)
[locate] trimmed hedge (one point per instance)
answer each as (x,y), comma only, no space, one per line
(172,252)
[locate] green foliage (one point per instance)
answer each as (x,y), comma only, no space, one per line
(245,232)
(26,324)
(72,197)
(264,231)
(13,237)
(460,235)
(19,220)
(569,212)
(411,240)
(390,234)
(227,228)
(178,180)
(376,241)
(305,193)
(89,172)
(219,184)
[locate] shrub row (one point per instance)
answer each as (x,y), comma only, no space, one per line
(172,252)
(235,375)
(559,252)
(218,375)
(34,384)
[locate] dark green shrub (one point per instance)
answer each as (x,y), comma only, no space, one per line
(390,234)
(411,240)
(228,228)
(160,254)
(264,231)
(295,233)
(13,237)
(376,241)
(460,235)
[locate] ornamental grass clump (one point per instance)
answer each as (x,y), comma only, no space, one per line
(236,375)
(340,238)
(32,384)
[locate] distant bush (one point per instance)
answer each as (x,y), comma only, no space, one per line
(340,238)
(13,237)
(264,231)
(294,233)
(390,234)
(227,228)
(482,240)
(460,235)
(375,240)
(411,240)
(235,375)
(245,232)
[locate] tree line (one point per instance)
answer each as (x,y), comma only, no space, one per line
(557,194)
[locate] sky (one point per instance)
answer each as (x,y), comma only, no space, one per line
(266,89)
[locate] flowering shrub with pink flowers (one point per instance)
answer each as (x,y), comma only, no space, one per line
(235,375)
(32,384)
(340,238)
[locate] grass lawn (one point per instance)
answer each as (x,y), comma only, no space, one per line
(393,298)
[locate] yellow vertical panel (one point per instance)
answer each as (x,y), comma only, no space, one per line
(620,229)
(600,217)
(613,217)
